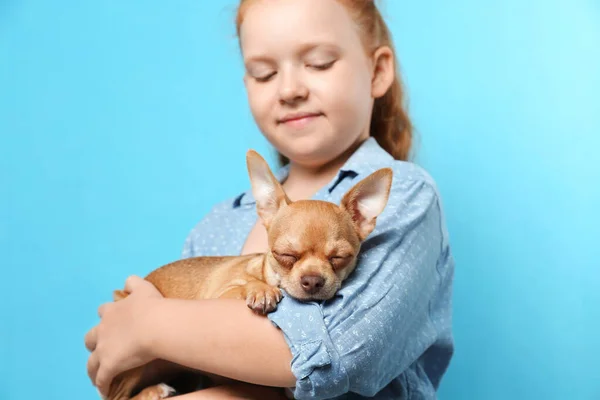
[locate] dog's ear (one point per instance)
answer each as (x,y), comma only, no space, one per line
(267,191)
(367,199)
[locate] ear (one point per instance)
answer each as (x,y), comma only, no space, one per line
(383,71)
(367,199)
(267,191)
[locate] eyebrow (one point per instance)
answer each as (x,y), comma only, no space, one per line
(304,49)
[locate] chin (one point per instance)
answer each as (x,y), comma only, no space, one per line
(301,295)
(311,156)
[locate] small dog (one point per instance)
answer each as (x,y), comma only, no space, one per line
(313,247)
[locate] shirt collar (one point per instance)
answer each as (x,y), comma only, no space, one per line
(368,155)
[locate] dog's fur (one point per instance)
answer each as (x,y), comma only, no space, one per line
(313,247)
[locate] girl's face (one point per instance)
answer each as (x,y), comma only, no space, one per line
(310,83)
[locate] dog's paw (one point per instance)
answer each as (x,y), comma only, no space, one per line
(264,299)
(157,392)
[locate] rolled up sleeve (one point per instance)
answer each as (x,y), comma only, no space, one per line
(381,324)
(314,357)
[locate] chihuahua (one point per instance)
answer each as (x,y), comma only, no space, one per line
(312,248)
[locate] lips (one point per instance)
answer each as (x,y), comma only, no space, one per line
(297,117)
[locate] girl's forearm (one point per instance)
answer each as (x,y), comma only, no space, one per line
(221,337)
(241,391)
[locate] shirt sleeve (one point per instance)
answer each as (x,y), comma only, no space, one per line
(380,324)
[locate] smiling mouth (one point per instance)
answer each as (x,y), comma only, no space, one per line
(299,118)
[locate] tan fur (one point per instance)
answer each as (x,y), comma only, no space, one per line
(313,247)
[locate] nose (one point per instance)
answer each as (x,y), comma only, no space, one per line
(292,88)
(311,283)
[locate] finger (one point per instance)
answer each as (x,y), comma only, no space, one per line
(102,309)
(91,338)
(93,365)
(104,378)
(133,282)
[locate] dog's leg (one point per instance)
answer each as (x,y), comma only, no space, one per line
(235,292)
(260,297)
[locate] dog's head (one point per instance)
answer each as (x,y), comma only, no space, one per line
(313,245)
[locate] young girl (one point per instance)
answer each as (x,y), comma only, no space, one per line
(321,83)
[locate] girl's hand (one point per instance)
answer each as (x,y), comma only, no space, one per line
(120,341)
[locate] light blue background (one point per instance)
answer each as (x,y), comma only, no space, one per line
(121,123)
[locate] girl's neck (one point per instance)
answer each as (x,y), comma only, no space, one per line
(303,182)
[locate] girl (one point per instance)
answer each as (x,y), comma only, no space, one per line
(321,84)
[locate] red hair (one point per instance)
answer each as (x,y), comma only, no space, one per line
(390,123)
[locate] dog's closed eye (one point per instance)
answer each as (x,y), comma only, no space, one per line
(286,260)
(338,262)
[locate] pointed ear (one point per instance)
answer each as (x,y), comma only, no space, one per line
(367,199)
(267,191)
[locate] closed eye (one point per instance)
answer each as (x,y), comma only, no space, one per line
(286,260)
(323,67)
(338,262)
(264,78)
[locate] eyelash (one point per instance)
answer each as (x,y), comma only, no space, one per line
(265,78)
(319,67)
(323,67)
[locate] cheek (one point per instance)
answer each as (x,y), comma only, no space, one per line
(342,274)
(258,100)
(347,95)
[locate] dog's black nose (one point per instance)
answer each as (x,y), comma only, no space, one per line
(312,284)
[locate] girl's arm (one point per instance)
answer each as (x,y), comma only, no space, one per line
(241,391)
(221,337)
(394,310)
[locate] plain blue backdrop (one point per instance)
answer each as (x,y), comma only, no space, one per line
(122,122)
